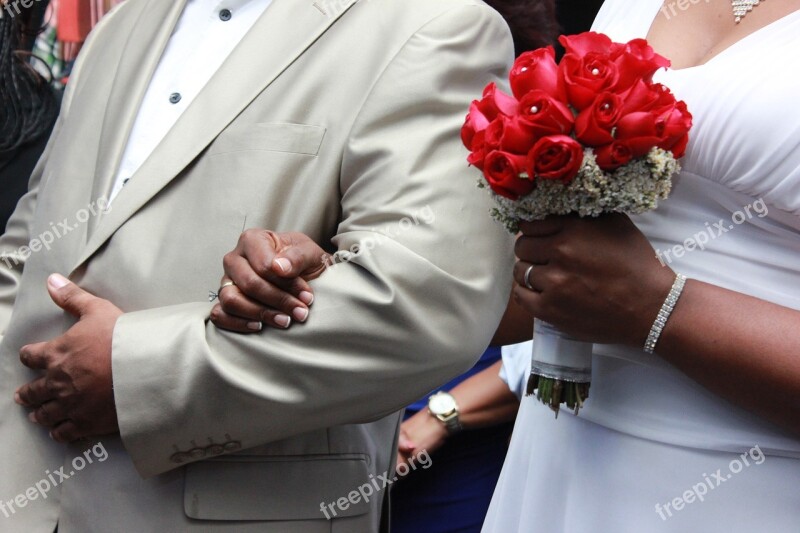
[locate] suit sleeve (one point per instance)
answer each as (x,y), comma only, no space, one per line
(14,242)
(422,285)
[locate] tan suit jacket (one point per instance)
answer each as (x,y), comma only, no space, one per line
(339,119)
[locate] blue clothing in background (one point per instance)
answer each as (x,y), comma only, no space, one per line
(453,494)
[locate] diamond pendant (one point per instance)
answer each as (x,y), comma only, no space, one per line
(742,7)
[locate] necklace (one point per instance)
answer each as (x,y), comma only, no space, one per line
(742,7)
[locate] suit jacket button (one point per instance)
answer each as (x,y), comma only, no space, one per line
(233,446)
(179,458)
(197,453)
(215,449)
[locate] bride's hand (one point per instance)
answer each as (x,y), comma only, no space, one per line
(269,273)
(596,279)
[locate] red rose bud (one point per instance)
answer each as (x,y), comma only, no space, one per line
(496,102)
(478,154)
(639,132)
(586,76)
(476,121)
(545,115)
(502,171)
(556,157)
(510,134)
(638,61)
(594,125)
(613,155)
(584,43)
(643,96)
(673,125)
(537,70)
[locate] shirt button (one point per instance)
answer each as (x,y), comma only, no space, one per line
(225,15)
(174,98)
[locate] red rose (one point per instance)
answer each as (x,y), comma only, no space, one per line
(475,122)
(594,125)
(502,171)
(556,157)
(545,114)
(587,76)
(478,154)
(496,102)
(673,125)
(510,134)
(666,128)
(587,42)
(638,61)
(613,155)
(638,131)
(537,70)
(586,69)
(643,96)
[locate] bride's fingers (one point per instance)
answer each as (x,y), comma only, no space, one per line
(525,274)
(236,304)
(529,300)
(268,294)
(222,320)
(269,318)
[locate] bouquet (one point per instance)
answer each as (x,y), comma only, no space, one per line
(588,135)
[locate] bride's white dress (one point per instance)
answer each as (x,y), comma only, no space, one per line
(653,451)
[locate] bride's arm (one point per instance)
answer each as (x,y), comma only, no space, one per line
(741,348)
(599,280)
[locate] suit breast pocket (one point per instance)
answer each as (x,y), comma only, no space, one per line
(303,139)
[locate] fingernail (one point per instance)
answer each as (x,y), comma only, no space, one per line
(284,264)
(18,398)
(32,417)
(306,297)
(283,321)
(255,326)
(300,313)
(57,281)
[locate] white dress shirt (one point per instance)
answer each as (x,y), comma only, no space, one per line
(205,35)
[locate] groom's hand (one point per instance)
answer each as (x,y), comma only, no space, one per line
(74,398)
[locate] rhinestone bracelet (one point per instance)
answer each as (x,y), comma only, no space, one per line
(664,313)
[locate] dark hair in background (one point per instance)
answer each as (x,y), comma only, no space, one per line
(537,23)
(576,16)
(533,22)
(28,105)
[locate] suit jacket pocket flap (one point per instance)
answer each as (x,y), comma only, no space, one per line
(274,488)
(269,137)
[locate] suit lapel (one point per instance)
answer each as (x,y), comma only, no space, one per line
(282,34)
(155,25)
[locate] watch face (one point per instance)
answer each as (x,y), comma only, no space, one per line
(441,404)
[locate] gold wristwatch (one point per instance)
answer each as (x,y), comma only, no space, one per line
(443,406)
